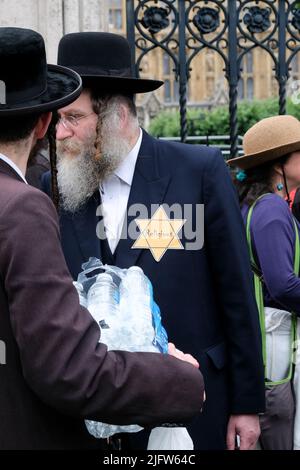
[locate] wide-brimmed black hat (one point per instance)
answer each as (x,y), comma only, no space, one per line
(27,83)
(102,60)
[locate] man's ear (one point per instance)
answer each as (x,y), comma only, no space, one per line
(42,125)
(123,115)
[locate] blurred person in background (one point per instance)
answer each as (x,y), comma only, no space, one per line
(265,177)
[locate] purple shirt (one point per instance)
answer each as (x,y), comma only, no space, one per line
(273,243)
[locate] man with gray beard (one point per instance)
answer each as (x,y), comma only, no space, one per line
(55,370)
(204,290)
(80,167)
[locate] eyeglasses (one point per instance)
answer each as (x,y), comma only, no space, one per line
(71,121)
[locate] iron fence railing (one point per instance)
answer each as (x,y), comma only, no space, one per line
(220,141)
(232,28)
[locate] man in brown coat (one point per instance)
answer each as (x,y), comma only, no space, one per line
(55,372)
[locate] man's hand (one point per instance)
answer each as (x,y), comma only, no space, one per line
(246,427)
(180,355)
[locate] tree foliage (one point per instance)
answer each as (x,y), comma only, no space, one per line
(216,122)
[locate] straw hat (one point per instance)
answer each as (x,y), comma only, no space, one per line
(269,139)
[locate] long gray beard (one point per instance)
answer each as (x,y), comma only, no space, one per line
(79,177)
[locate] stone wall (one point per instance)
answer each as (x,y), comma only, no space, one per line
(54,18)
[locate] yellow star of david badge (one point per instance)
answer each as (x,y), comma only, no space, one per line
(159,234)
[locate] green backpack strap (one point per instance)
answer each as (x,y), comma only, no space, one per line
(258,283)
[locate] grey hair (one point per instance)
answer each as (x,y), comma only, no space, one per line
(104,105)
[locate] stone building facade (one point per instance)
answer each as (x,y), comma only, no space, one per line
(207,86)
(54,18)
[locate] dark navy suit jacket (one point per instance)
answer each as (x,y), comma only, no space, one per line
(205,295)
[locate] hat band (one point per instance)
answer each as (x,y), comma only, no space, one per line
(96,70)
(25,95)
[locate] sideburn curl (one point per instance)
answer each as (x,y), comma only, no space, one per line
(51,134)
(100,106)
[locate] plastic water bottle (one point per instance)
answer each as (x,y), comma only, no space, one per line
(135,302)
(81,293)
(103,305)
(102,302)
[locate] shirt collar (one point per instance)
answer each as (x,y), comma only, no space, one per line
(126,169)
(13,166)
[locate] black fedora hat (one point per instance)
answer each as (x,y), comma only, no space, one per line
(27,83)
(102,59)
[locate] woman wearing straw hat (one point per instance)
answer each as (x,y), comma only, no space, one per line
(265,176)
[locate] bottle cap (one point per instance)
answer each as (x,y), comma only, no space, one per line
(104,277)
(135,269)
(78,286)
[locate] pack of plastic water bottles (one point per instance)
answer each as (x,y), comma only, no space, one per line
(121,301)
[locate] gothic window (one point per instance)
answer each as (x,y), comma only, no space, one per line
(249,88)
(167,91)
(295,68)
(241,94)
(168,78)
(166,64)
(115,15)
(246,82)
(171,86)
(175,90)
(249,62)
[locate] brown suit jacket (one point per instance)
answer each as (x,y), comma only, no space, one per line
(56,373)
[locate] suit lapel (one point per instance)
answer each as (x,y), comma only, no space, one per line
(85,224)
(147,193)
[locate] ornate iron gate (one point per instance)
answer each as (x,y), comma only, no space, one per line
(231,28)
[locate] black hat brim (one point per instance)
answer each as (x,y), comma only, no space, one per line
(118,84)
(63,87)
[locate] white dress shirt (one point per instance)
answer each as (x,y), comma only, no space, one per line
(115,193)
(13,165)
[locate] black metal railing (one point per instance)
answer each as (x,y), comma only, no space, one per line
(232,28)
(220,141)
